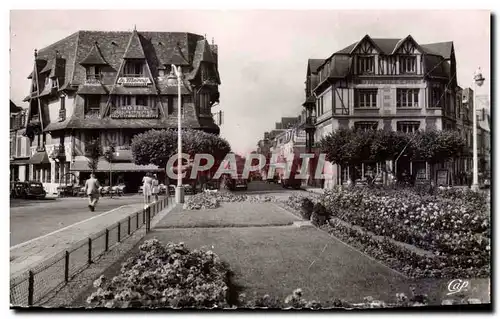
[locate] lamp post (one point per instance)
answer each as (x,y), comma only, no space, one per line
(478,81)
(179,191)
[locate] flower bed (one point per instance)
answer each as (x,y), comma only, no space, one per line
(213,200)
(450,226)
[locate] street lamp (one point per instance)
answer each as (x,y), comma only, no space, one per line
(179,191)
(478,81)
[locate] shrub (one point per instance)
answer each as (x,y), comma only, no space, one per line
(306,208)
(319,215)
(165,276)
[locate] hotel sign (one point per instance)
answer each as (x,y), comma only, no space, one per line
(133,81)
(134,112)
(387,81)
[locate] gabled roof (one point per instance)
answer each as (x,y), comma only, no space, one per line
(134,48)
(94,57)
(14,108)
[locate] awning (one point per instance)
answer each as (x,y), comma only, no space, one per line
(19,161)
(103,166)
(39,158)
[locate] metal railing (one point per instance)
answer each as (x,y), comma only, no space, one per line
(32,287)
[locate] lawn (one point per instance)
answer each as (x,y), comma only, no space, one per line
(238,214)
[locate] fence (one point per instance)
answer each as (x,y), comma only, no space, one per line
(32,286)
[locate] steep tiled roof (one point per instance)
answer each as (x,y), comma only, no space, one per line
(66,48)
(314,64)
(386,45)
(443,49)
(134,48)
(94,57)
(14,108)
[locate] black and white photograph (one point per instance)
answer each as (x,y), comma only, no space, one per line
(250,159)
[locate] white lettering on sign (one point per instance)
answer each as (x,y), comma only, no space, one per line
(134,81)
(134,112)
(387,81)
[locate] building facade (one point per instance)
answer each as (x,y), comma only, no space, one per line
(19,144)
(390,84)
(111,86)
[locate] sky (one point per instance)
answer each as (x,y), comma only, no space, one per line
(262,54)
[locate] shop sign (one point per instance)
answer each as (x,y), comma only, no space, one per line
(134,112)
(133,81)
(387,81)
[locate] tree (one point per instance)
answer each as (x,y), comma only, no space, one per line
(93,150)
(109,156)
(157,146)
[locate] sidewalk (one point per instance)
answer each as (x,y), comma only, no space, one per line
(30,254)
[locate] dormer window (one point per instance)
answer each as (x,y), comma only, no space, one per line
(366,64)
(407,64)
(93,74)
(134,69)
(161,73)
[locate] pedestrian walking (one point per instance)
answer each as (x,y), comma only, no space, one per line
(147,185)
(156,187)
(92,191)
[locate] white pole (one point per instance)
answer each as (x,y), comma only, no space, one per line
(475,182)
(179,191)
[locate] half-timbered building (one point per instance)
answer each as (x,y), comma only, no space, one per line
(392,84)
(111,86)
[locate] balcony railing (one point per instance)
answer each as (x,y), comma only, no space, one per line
(93,114)
(58,151)
(93,79)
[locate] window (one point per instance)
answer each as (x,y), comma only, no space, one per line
(48,177)
(366,98)
(364,126)
(407,97)
(170,105)
(204,103)
(93,70)
(63,103)
(437,97)
(407,64)
(92,103)
(161,72)
(55,83)
(408,126)
(134,69)
(365,64)
(56,172)
(141,100)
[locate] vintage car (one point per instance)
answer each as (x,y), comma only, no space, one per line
(291,181)
(31,189)
(210,187)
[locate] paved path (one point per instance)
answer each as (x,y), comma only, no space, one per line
(34,218)
(31,253)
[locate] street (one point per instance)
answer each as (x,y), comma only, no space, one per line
(34,218)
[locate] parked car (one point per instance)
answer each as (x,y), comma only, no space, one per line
(210,187)
(26,190)
(275,179)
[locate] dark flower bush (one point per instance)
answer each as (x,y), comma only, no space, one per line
(319,215)
(306,208)
(165,276)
